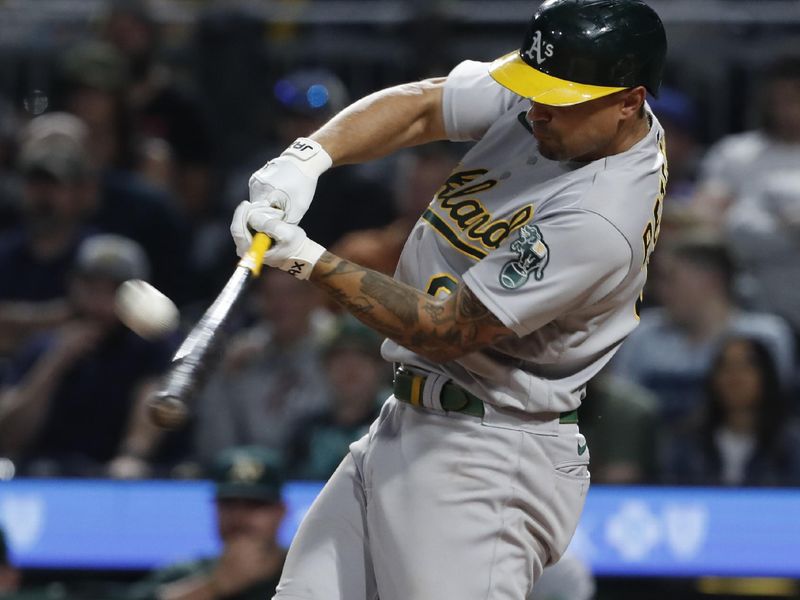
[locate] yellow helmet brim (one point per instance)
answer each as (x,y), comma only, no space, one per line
(513,73)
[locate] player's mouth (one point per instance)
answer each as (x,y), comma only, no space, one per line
(540,135)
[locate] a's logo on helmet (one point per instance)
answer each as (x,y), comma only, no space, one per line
(539,51)
(533,254)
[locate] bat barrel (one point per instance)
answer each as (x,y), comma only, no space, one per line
(167,411)
(168,406)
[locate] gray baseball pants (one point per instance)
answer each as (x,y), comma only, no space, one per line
(441,506)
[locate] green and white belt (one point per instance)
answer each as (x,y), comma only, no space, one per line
(408,387)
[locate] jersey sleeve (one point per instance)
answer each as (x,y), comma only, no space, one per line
(548,268)
(473,101)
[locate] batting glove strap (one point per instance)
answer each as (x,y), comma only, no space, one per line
(309,156)
(303,260)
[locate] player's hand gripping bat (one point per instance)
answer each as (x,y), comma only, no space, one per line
(168,406)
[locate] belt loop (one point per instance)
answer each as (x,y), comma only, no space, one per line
(416,390)
(431,394)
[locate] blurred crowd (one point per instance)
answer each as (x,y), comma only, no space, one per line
(126,170)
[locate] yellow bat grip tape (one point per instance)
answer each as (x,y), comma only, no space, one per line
(254,257)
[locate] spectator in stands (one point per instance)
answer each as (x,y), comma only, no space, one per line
(95,80)
(10,193)
(248,484)
(304,101)
(162,109)
(670,352)
(95,76)
(744,436)
(35,259)
(750,187)
(420,174)
(269,377)
(357,381)
(176,145)
(74,398)
(620,422)
(9,575)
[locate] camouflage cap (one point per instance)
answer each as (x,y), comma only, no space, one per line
(248,472)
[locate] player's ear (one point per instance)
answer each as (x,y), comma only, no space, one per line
(633,102)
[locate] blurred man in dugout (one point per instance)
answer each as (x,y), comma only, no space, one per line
(248,483)
(9,576)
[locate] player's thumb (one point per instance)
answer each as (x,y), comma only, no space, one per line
(269,221)
(278,199)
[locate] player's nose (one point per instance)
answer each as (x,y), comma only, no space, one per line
(538,113)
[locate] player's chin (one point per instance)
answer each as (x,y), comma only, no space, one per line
(550,150)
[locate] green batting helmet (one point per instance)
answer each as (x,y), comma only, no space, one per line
(579,50)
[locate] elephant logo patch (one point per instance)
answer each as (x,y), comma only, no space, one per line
(533,254)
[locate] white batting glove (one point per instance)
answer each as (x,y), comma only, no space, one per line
(241,231)
(291,250)
(286,183)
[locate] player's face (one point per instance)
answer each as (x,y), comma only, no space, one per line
(93,298)
(50,203)
(242,517)
(585,131)
(783,97)
(737,379)
(684,289)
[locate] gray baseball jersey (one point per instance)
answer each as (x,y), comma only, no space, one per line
(557,251)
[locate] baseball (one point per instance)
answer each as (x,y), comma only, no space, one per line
(145,310)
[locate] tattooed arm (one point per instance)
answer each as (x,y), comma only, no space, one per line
(438,329)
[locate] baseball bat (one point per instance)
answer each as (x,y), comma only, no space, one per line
(168,405)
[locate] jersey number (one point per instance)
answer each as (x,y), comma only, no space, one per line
(441,284)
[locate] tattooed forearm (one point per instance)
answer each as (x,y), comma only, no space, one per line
(384,290)
(440,329)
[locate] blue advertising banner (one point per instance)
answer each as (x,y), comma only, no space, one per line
(687,532)
(653,531)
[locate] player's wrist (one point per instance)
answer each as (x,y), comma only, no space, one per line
(303,260)
(309,157)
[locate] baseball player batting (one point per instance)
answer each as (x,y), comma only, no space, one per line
(516,286)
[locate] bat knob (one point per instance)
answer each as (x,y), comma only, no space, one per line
(167,411)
